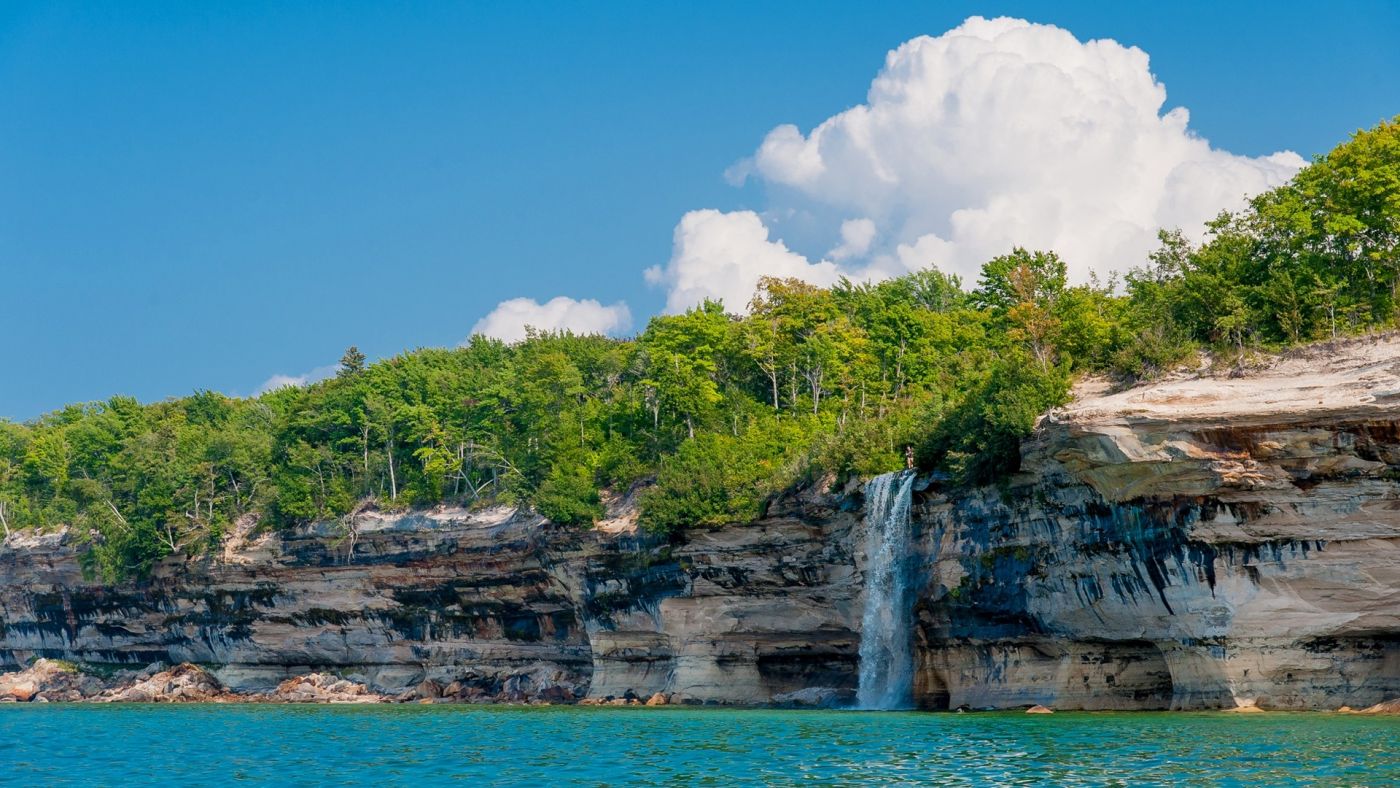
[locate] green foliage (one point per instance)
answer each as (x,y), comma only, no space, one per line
(1314,259)
(352,363)
(979,439)
(869,447)
(569,496)
(1020,277)
(719,412)
(717,479)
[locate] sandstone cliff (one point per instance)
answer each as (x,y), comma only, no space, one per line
(1202,542)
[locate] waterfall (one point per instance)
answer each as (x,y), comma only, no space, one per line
(886,647)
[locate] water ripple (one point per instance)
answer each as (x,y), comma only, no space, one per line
(431,745)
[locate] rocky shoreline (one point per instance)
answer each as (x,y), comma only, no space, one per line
(54,681)
(1206,542)
(51,681)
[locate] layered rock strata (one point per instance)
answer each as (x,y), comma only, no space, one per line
(1209,541)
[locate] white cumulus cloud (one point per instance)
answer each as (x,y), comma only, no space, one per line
(856,237)
(279,380)
(997,133)
(509,320)
(722,256)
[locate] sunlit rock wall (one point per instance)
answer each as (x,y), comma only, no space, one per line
(448,596)
(1210,541)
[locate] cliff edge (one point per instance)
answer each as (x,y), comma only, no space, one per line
(1207,541)
(1201,542)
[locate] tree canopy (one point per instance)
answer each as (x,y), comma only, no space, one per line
(711,412)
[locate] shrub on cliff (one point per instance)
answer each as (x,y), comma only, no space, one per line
(568,496)
(979,439)
(717,479)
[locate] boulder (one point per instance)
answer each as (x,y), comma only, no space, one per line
(184,683)
(52,679)
(1391,706)
(1039,709)
(324,688)
(657,699)
(24,690)
(814,697)
(555,694)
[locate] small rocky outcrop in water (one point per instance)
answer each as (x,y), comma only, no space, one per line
(811,697)
(323,688)
(50,680)
(1384,707)
(181,684)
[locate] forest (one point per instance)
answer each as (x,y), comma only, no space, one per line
(707,415)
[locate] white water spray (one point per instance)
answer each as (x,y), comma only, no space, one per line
(886,647)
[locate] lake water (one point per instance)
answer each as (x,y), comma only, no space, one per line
(433,745)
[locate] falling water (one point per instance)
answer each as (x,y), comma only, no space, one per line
(886,658)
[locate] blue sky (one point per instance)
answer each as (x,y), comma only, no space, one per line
(205,195)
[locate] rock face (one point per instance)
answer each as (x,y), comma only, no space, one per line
(452,597)
(735,615)
(1207,542)
(1200,543)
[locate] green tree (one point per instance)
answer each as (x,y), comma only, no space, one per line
(352,362)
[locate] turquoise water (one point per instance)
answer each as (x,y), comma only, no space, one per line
(432,745)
